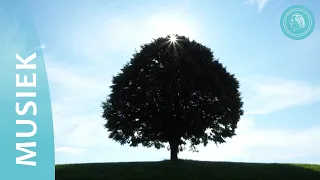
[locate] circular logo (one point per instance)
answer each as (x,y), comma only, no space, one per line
(297,22)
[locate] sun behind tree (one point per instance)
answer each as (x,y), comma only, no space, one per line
(173,39)
(175,92)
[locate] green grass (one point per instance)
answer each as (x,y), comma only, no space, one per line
(187,170)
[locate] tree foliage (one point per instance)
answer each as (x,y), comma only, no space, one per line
(173,92)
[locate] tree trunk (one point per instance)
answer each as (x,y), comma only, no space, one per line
(173,151)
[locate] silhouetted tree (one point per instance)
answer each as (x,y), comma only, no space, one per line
(173,91)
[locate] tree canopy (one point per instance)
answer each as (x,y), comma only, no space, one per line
(173,91)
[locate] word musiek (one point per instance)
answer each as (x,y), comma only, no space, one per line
(23,108)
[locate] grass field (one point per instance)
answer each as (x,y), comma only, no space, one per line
(187,170)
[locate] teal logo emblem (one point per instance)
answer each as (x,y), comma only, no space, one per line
(297,22)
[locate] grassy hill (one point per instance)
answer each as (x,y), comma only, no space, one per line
(187,170)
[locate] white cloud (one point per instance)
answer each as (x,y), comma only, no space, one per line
(273,94)
(70,150)
(264,146)
(260,3)
(89,134)
(76,95)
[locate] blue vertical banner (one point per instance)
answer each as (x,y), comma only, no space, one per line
(26,126)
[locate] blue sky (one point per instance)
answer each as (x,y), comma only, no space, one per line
(86,42)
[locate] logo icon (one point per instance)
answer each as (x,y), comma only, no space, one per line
(297,22)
